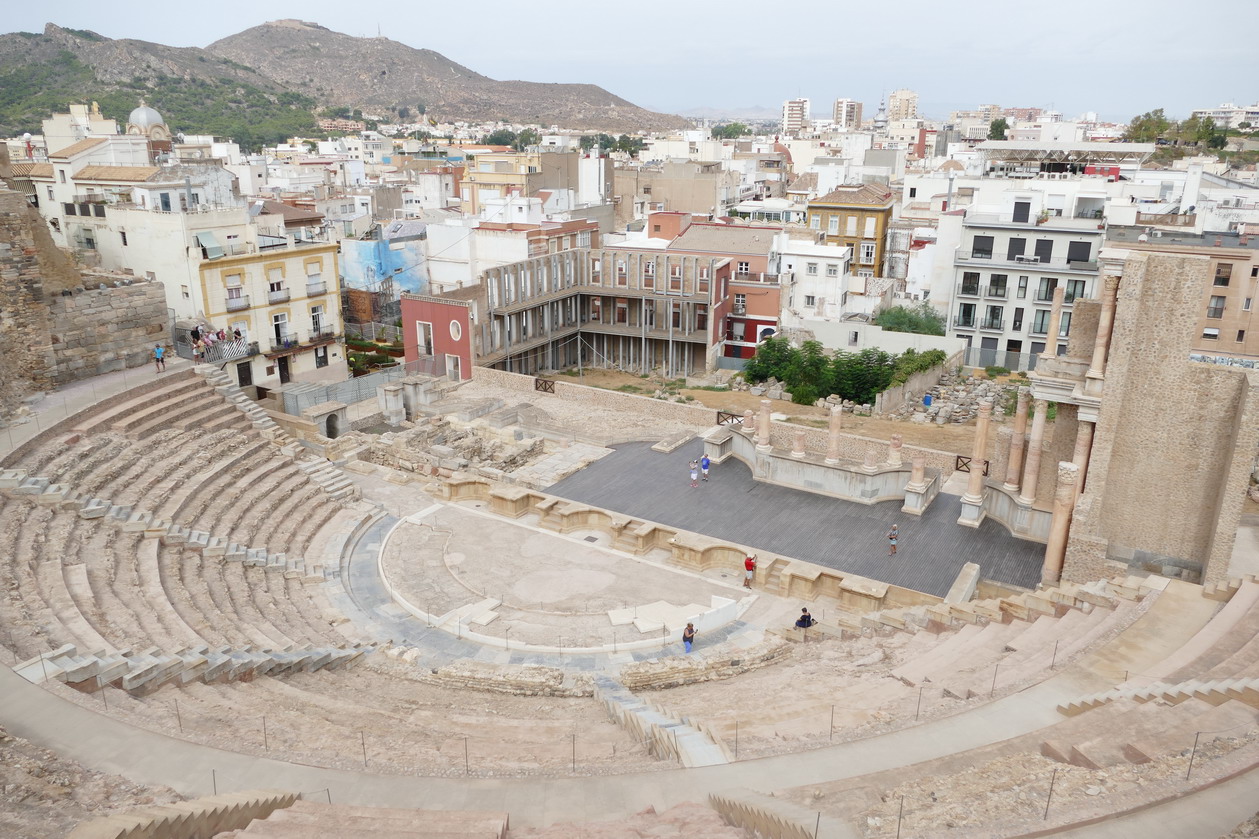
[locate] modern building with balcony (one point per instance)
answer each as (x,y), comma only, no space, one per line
(1008,260)
(286,303)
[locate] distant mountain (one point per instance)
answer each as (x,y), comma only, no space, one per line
(378,74)
(264,84)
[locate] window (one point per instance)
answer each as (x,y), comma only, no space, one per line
(49,192)
(622,310)
(1040,323)
(675,270)
(1223,273)
(183,289)
(1044,250)
(811,269)
(424,336)
(321,356)
(913,192)
(314,272)
(981,247)
(676,314)
(815,221)
(583,239)
(123,234)
(1215,308)
(1246,304)
(1241,335)
(965,316)
(61,173)
(744,267)
(703,272)
(869,227)
(1078,251)
(649,269)
(867,253)
(69,209)
(1045,292)
(970,282)
(1075,290)
(316,320)
(275,279)
(810,300)
(1254,272)
(740,303)
(1016,249)
(851,227)
(701,317)
(1211,334)
(864,273)
(994,319)
(596,265)
(833,226)
(832,270)
(1064,325)
(996,285)
(1017,325)
(1022,287)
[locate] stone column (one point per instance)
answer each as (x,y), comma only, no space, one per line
(749,422)
(1060,526)
(832,438)
(973,500)
(1101,344)
(1018,441)
(871,464)
(894,456)
(916,499)
(918,476)
(1055,324)
(797,443)
(1083,448)
(389,398)
(1031,465)
(762,426)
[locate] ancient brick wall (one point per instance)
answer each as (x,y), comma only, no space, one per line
(103,329)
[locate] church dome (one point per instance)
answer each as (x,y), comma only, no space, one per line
(145,117)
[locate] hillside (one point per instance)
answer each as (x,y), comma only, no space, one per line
(198,93)
(381,74)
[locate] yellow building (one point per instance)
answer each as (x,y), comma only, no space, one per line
(856,216)
(287,299)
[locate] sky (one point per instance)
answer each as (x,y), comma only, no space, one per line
(1114,57)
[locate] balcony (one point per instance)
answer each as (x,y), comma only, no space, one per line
(316,289)
(237,304)
(295,340)
(998,291)
(1024,261)
(964,321)
(993,324)
(969,290)
(974,219)
(1167,219)
(280,296)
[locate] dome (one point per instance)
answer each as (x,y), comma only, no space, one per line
(145,117)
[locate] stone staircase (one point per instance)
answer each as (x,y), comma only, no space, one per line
(200,817)
(311,820)
(1214,691)
(145,671)
(666,737)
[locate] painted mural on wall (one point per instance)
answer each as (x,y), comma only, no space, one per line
(396,254)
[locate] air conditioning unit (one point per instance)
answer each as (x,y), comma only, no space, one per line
(739,309)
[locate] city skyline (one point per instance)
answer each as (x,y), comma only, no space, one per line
(1085,58)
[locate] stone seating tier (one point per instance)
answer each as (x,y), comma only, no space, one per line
(312,820)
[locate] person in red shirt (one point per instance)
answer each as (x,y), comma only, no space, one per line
(749,570)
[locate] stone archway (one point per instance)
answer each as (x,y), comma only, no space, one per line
(332,427)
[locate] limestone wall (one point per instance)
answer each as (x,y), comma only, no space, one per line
(1164,483)
(26,360)
(917,384)
(99,330)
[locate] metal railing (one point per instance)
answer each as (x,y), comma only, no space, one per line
(359,388)
(316,289)
(992,323)
(237,304)
(1167,219)
(373,331)
(970,290)
(1215,312)
(964,322)
(281,296)
(293,340)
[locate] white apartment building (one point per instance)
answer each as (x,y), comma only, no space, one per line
(1229,115)
(795,116)
(847,115)
(1007,261)
(814,278)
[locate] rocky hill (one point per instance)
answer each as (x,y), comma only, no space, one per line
(379,73)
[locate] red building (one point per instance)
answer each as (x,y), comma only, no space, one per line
(438,328)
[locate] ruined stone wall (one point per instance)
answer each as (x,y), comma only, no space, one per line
(1061,447)
(99,330)
(26,361)
(1169,435)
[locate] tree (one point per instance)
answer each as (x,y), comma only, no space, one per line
(730,131)
(404,112)
(1244,125)
(997,128)
(922,319)
(1148,127)
(630,145)
(526,138)
(501,137)
(606,142)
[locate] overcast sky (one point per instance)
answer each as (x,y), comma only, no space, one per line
(1115,57)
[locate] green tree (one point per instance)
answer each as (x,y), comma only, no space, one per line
(527,137)
(922,318)
(1148,127)
(404,113)
(630,145)
(730,131)
(501,137)
(1244,125)
(1217,141)
(997,128)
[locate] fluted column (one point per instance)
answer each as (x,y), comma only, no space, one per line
(1101,344)
(1060,525)
(1083,448)
(1018,441)
(832,437)
(1031,460)
(762,426)
(1055,325)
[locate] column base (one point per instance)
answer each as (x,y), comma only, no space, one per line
(831,461)
(798,455)
(972,512)
(1010,488)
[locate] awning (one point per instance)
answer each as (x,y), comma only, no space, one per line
(211,246)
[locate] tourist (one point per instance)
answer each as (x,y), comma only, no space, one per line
(236,333)
(694,473)
(159,357)
(688,636)
(749,570)
(892,536)
(198,350)
(704,463)
(805,620)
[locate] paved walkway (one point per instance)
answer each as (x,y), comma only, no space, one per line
(837,534)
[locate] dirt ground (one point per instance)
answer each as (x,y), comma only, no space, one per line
(951,437)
